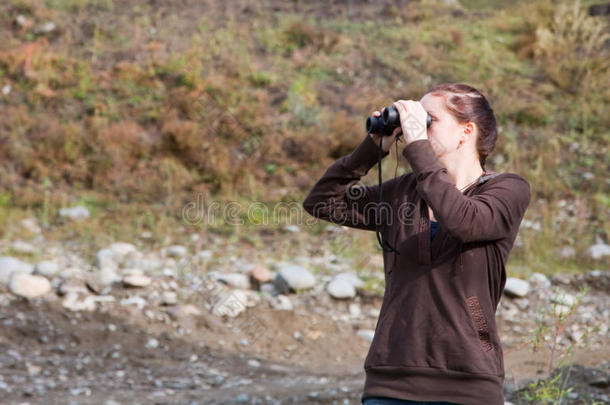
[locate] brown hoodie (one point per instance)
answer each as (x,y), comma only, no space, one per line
(436,337)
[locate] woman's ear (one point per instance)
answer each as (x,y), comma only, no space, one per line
(469,131)
(469,128)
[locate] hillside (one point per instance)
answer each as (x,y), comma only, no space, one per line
(136,109)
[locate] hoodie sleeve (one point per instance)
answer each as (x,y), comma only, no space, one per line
(493,214)
(339,197)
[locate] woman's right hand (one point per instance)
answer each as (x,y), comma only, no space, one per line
(387,141)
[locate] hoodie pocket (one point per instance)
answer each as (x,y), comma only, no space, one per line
(480,323)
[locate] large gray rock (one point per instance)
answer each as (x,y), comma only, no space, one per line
(294,277)
(351,278)
(516,287)
(341,288)
(47,268)
(28,285)
(10,265)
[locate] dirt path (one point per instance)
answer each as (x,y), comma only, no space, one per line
(53,356)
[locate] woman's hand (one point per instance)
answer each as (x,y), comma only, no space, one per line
(412,120)
(386,141)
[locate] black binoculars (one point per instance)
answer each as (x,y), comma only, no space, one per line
(389,120)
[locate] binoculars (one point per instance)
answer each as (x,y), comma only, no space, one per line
(388,121)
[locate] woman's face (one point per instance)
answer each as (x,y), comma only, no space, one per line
(445,132)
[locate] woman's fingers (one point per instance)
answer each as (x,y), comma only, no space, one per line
(412,119)
(377,114)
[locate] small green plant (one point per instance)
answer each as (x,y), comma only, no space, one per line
(550,390)
(549,333)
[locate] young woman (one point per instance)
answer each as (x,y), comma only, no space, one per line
(452,225)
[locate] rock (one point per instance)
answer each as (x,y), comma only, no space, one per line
(350,278)
(183,311)
(169,298)
(28,285)
(31,225)
(10,265)
(137,280)
(47,268)
(177,251)
(575,334)
(76,303)
(147,265)
(103,298)
(236,280)
(122,250)
(22,21)
(260,273)
(567,252)
(355,310)
(77,213)
(93,282)
(597,379)
(563,302)
(152,343)
(205,255)
(563,298)
(72,272)
(23,247)
(268,288)
(109,276)
(73,286)
(561,279)
(366,334)
(516,287)
(135,300)
(341,288)
(231,303)
(45,28)
(105,258)
(294,277)
(291,228)
(281,302)
(540,280)
(599,250)
(6,89)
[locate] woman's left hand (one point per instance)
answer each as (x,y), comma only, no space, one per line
(412,120)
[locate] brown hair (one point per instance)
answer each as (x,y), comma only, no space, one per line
(468,104)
